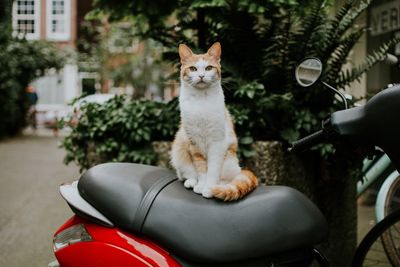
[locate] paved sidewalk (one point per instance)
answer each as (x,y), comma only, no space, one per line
(31,208)
(366,220)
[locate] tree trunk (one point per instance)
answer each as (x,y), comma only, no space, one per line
(336,197)
(201,29)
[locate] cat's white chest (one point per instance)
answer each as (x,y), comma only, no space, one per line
(204,120)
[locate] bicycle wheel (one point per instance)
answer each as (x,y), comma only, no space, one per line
(371,251)
(391,239)
(388,199)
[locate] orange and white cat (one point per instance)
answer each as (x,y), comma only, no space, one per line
(204,150)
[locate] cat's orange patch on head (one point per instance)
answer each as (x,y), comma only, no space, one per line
(189,59)
(185,67)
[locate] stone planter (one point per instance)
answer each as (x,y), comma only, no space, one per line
(272,164)
(161,148)
(163,151)
(92,157)
(275,166)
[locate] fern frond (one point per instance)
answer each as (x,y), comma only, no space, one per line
(307,29)
(346,77)
(342,22)
(349,19)
(328,43)
(339,56)
(343,11)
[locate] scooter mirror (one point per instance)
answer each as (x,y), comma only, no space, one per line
(308,71)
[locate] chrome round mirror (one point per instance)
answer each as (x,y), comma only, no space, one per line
(308,71)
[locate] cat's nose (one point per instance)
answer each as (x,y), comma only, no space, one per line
(201,77)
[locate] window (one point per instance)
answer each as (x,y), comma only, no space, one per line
(58,20)
(26,18)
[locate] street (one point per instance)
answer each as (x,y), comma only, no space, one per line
(31,208)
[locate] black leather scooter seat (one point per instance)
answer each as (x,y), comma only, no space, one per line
(270,220)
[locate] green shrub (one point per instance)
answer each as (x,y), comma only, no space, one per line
(121,130)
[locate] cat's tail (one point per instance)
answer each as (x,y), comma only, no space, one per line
(240,186)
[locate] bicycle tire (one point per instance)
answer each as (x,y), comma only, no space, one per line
(373,236)
(388,237)
(388,198)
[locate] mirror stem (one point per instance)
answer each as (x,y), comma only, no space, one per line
(337,92)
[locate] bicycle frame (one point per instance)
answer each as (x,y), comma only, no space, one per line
(372,173)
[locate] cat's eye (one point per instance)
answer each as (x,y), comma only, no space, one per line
(209,68)
(192,68)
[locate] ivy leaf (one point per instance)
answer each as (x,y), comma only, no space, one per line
(290,134)
(249,153)
(247,140)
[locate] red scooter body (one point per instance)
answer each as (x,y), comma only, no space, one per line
(110,247)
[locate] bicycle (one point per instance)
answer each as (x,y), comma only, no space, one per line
(388,196)
(375,170)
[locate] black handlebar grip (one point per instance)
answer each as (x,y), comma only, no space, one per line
(307,141)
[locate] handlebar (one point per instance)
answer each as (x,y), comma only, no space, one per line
(319,136)
(307,141)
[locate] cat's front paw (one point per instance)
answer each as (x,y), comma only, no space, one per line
(207,192)
(190,183)
(198,189)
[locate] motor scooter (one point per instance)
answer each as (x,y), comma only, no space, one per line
(138,215)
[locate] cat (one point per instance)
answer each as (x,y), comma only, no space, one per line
(204,149)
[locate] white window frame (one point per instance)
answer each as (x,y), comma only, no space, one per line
(57,36)
(36,17)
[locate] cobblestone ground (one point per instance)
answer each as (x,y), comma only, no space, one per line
(31,208)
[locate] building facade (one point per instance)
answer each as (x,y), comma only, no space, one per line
(55,21)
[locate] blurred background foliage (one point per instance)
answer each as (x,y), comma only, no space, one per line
(117,54)
(262,42)
(20,63)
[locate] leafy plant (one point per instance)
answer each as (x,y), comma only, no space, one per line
(119,130)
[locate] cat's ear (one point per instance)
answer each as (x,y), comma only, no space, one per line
(215,51)
(184,52)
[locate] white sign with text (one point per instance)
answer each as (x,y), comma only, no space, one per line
(385,18)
